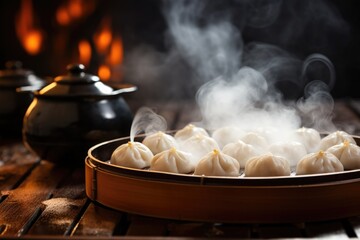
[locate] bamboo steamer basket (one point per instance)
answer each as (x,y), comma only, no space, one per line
(295,199)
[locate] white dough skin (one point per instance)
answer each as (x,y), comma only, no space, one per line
(217,163)
(172,160)
(159,142)
(309,137)
(292,151)
(133,155)
(188,131)
(198,146)
(319,162)
(226,135)
(335,138)
(241,151)
(255,140)
(348,154)
(267,165)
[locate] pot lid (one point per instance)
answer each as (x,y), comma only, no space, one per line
(77,83)
(14,76)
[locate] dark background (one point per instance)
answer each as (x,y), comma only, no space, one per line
(142,21)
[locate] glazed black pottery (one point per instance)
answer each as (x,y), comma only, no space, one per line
(13,104)
(72,114)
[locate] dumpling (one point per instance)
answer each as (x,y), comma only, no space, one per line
(267,165)
(227,135)
(309,137)
(241,151)
(188,131)
(132,154)
(269,133)
(255,140)
(347,153)
(198,146)
(292,151)
(172,160)
(319,162)
(334,139)
(217,163)
(159,142)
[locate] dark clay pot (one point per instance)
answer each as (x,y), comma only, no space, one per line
(72,114)
(13,104)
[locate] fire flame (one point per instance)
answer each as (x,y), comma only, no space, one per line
(116,51)
(84,52)
(105,44)
(110,48)
(73,10)
(103,37)
(29,35)
(62,16)
(104,72)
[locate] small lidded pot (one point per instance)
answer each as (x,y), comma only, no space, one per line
(72,114)
(13,104)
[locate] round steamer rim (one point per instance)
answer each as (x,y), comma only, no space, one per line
(298,180)
(220,199)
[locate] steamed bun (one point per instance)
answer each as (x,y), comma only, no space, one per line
(227,135)
(348,154)
(241,151)
(334,139)
(172,160)
(217,163)
(198,146)
(309,137)
(132,154)
(319,162)
(267,165)
(255,140)
(292,151)
(159,142)
(188,131)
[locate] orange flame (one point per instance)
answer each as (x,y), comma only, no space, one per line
(62,16)
(76,8)
(104,72)
(103,37)
(84,52)
(73,10)
(116,53)
(29,35)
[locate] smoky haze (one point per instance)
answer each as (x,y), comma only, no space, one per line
(242,59)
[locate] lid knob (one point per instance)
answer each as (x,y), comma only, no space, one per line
(76,69)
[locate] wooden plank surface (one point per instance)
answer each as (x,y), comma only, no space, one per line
(63,208)
(209,230)
(100,221)
(16,162)
(21,206)
(145,226)
(42,201)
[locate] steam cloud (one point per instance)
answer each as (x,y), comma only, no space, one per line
(244,84)
(146,121)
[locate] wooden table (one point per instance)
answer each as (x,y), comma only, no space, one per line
(39,200)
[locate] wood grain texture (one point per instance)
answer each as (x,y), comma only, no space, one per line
(62,210)
(99,221)
(23,203)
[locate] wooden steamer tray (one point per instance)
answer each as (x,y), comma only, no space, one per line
(220,199)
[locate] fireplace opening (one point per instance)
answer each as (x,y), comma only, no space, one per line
(130,40)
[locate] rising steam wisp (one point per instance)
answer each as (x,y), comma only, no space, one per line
(146,121)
